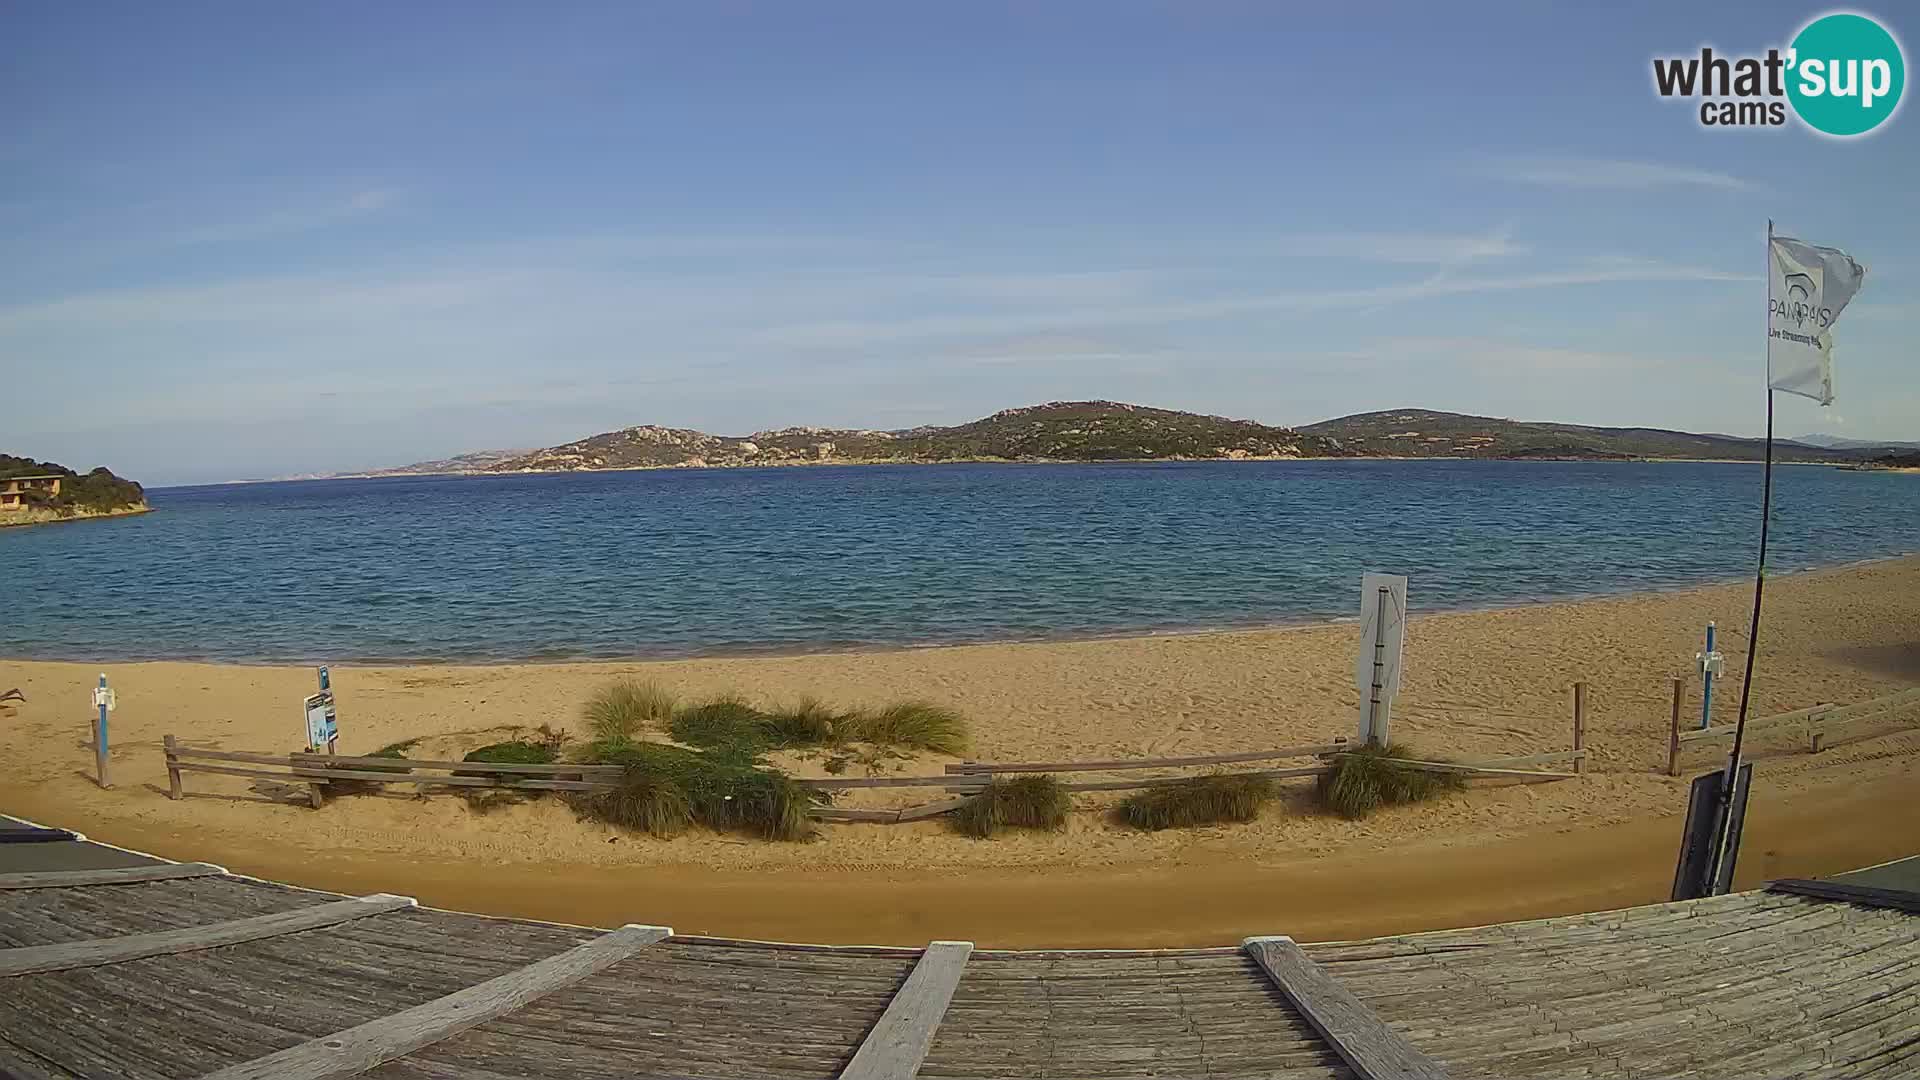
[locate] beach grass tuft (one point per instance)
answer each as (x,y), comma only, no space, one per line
(920,725)
(808,722)
(1035,801)
(643,801)
(724,791)
(1369,777)
(1199,800)
(724,723)
(624,709)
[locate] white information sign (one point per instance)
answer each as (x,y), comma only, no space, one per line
(1383,633)
(321,729)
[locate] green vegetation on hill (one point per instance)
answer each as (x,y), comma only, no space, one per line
(1426,433)
(1116,431)
(97,492)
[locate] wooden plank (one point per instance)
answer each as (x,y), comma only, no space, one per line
(1580,725)
(967,767)
(1530,759)
(1371,1049)
(1161,781)
(125,875)
(230,770)
(314,760)
(1863,895)
(373,1044)
(1725,731)
(115,950)
(503,782)
(933,809)
(836,813)
(843,784)
(193,754)
(899,1041)
(1479,770)
(173,767)
(1673,734)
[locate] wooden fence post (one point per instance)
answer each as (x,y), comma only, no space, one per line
(1673,734)
(1815,736)
(1580,724)
(173,769)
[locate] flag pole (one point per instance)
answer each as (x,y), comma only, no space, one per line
(1753,629)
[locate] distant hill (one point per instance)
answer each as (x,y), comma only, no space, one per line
(95,494)
(476,461)
(1835,442)
(1426,433)
(1057,431)
(1115,431)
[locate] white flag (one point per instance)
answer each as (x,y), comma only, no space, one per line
(1807,288)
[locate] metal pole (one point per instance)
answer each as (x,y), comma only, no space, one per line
(1753,632)
(100,734)
(1706,694)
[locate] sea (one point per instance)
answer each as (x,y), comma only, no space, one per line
(727,561)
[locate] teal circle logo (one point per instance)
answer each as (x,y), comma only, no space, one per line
(1845,74)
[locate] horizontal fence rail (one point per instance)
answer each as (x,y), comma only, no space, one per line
(1815,722)
(961,782)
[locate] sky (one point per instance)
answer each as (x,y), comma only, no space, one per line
(251,240)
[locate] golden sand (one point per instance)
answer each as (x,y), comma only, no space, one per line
(1479,684)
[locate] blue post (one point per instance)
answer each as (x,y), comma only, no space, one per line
(100,733)
(323,669)
(1706,692)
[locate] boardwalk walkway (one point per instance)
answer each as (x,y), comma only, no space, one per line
(209,974)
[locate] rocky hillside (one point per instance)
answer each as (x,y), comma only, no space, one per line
(1426,433)
(1114,431)
(1058,431)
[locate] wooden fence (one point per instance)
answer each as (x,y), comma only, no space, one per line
(960,782)
(1814,721)
(316,771)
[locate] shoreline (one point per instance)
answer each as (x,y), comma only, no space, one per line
(12,518)
(1477,685)
(1847,464)
(774,652)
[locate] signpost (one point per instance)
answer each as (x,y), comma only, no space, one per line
(1383,633)
(104,700)
(322,730)
(1709,663)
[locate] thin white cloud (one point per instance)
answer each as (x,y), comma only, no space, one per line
(1426,249)
(1606,174)
(293,220)
(848,333)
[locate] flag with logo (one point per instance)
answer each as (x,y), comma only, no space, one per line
(1807,288)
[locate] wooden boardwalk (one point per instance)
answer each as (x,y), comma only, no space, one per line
(1754,984)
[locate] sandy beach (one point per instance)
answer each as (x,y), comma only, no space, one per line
(1478,684)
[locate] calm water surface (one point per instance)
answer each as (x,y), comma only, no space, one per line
(689,562)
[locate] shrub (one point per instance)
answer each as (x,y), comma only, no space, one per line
(644,801)
(807,722)
(1367,778)
(396,751)
(917,724)
(724,791)
(1200,800)
(519,752)
(725,723)
(1036,801)
(624,709)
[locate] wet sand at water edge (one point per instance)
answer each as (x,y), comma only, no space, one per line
(1478,684)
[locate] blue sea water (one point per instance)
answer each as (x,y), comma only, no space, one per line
(715,561)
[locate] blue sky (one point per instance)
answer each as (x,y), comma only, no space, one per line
(251,240)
